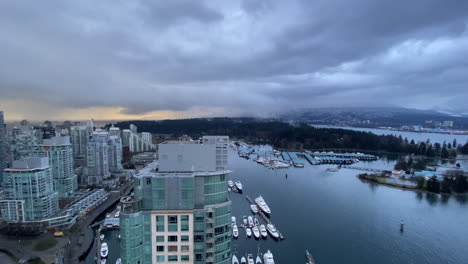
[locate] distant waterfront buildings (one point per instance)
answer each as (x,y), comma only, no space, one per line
(3,145)
(60,154)
(181,210)
(29,191)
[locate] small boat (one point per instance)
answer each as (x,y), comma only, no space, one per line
(256,232)
(235,231)
(117,214)
(250,259)
(238,185)
(101,237)
(244,219)
(298,165)
(272,230)
(262,205)
(254,208)
(118,236)
(248,231)
(104,250)
(263,231)
(118,261)
(243,260)
(108,215)
(233,219)
(309,258)
(250,220)
(258,260)
(235,260)
(230,184)
(268,258)
(256,221)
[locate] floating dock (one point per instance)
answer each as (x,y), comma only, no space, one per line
(363,169)
(265,218)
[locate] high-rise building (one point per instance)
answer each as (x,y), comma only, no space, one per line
(115,153)
(29,192)
(79,139)
(180,211)
(126,137)
(21,141)
(60,154)
(2,145)
(97,158)
(114,131)
(147,137)
(133,128)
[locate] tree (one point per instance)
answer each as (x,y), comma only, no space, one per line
(412,142)
(446,184)
(421,182)
(464,149)
(461,184)
(454,143)
(401,165)
(433,185)
(444,153)
(430,151)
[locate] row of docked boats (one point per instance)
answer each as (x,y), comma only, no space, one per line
(273,164)
(253,227)
(267,259)
(104,252)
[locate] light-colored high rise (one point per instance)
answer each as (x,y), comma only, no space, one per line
(115,153)
(60,154)
(3,145)
(22,140)
(181,211)
(126,137)
(97,158)
(29,192)
(114,131)
(147,137)
(79,139)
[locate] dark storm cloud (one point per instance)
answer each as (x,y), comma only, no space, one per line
(251,56)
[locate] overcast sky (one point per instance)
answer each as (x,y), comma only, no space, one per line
(164,59)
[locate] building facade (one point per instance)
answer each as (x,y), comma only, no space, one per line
(3,145)
(60,154)
(180,212)
(29,192)
(97,158)
(79,139)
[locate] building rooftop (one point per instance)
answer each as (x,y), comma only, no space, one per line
(30,163)
(57,141)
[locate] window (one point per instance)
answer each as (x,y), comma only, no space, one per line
(184,248)
(148,180)
(159,248)
(160,223)
(172,223)
(172,249)
(172,238)
(159,238)
(184,258)
(172,258)
(199,238)
(160,259)
(184,238)
(184,223)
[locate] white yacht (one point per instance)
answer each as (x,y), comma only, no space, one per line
(260,160)
(248,231)
(244,219)
(235,260)
(230,184)
(117,214)
(118,261)
(279,164)
(263,231)
(101,237)
(254,208)
(238,185)
(262,205)
(250,259)
(235,231)
(272,230)
(233,219)
(256,232)
(243,260)
(104,250)
(268,258)
(258,260)
(250,220)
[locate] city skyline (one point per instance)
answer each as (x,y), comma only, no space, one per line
(178,59)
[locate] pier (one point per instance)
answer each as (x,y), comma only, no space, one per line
(265,218)
(363,169)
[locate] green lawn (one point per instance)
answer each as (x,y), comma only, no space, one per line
(45,244)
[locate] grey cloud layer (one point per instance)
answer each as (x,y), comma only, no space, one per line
(255,56)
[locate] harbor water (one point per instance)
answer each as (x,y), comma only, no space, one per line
(341,219)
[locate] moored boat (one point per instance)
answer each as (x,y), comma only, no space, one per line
(235,260)
(268,258)
(263,231)
(235,231)
(254,208)
(230,184)
(258,260)
(243,260)
(233,219)
(244,220)
(248,232)
(250,221)
(101,237)
(256,232)
(104,250)
(262,205)
(272,230)
(238,185)
(118,261)
(250,259)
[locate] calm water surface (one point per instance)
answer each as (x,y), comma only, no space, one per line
(340,219)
